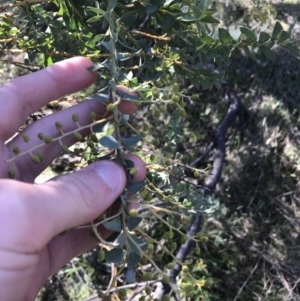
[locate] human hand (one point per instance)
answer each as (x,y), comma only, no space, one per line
(32,216)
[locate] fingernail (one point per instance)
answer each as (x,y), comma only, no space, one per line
(111,173)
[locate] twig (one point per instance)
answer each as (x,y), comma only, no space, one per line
(244,284)
(208,188)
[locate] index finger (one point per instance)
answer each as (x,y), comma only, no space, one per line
(24,95)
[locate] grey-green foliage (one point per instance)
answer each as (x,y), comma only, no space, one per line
(140,44)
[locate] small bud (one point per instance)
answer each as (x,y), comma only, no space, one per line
(165,279)
(133,171)
(148,290)
(168,235)
(170,265)
(133,212)
(36,159)
(122,293)
(175,98)
(58,125)
(90,144)
(138,103)
(182,112)
(165,298)
(16,150)
(146,277)
(26,138)
(40,157)
(150,249)
(173,246)
(101,295)
(184,221)
(196,174)
(157,257)
(77,151)
(185,269)
(163,109)
(93,116)
(197,250)
(48,139)
(155,92)
(146,127)
(78,136)
(148,197)
(94,138)
(157,113)
(11,173)
(75,118)
(152,157)
(175,87)
(143,261)
(184,91)
(184,238)
(110,107)
(101,255)
(41,136)
(65,149)
(195,96)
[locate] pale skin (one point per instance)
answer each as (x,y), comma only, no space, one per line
(32,216)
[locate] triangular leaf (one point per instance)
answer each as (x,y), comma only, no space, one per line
(121,240)
(263,37)
(209,19)
(130,275)
(114,224)
(136,186)
(133,222)
(277,29)
(135,242)
(114,256)
(131,141)
(293,49)
(133,259)
(248,33)
(109,142)
(269,54)
(225,36)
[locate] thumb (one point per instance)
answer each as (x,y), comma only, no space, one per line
(64,202)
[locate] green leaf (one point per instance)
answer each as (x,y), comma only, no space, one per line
(127,96)
(293,49)
(209,19)
(135,243)
(135,187)
(283,36)
(150,9)
(131,141)
(109,142)
(128,163)
(98,11)
(185,9)
(133,259)
(114,256)
(166,20)
(277,29)
(94,19)
(225,36)
(263,37)
(133,222)
(268,53)
(130,275)
(121,240)
(114,224)
(128,18)
(207,39)
(248,33)
(250,52)
(187,18)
